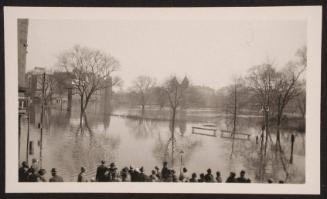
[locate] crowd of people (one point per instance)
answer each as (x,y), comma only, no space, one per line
(111,173)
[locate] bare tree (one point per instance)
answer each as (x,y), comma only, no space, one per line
(261,79)
(301,101)
(89,68)
(175,92)
(49,84)
(160,97)
(142,86)
(287,87)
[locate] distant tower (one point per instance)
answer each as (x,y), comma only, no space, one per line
(22,30)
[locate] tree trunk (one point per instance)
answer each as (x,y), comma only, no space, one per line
(173,135)
(81,111)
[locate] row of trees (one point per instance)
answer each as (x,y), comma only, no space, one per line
(264,87)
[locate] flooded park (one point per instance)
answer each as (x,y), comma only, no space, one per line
(129,140)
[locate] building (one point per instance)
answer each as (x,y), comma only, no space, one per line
(22,30)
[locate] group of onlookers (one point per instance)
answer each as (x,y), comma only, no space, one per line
(130,174)
(34,173)
(110,173)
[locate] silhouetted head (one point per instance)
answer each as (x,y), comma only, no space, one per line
(83,169)
(209,171)
(142,169)
(218,173)
(153,172)
(184,170)
(242,173)
(53,171)
(156,168)
(202,175)
(34,160)
(232,174)
(24,164)
(42,172)
(281,182)
(193,175)
(165,164)
(112,165)
(103,162)
(270,180)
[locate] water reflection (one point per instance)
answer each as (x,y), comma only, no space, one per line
(69,145)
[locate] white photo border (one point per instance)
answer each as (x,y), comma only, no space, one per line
(311,14)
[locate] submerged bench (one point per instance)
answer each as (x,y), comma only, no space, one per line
(241,136)
(213,130)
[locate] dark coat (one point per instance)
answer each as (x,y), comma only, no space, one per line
(208,178)
(56,178)
(22,174)
(231,179)
(100,175)
(243,180)
(165,173)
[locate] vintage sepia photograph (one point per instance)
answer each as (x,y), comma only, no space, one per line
(164,100)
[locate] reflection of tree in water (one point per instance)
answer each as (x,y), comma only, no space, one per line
(170,150)
(273,164)
(60,119)
(142,128)
(87,147)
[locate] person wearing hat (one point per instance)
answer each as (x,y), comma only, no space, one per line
(55,177)
(40,177)
(22,172)
(142,176)
(165,171)
(153,177)
(231,178)
(242,178)
(193,178)
(111,172)
(100,174)
(82,175)
(208,177)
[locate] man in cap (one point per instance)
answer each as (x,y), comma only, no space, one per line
(101,170)
(55,177)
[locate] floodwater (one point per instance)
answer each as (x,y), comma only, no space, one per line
(132,141)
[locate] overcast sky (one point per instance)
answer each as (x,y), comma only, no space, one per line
(210,53)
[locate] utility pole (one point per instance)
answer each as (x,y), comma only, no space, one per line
(42,113)
(28,130)
(292,145)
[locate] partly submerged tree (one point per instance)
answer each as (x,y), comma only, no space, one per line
(142,86)
(89,68)
(175,92)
